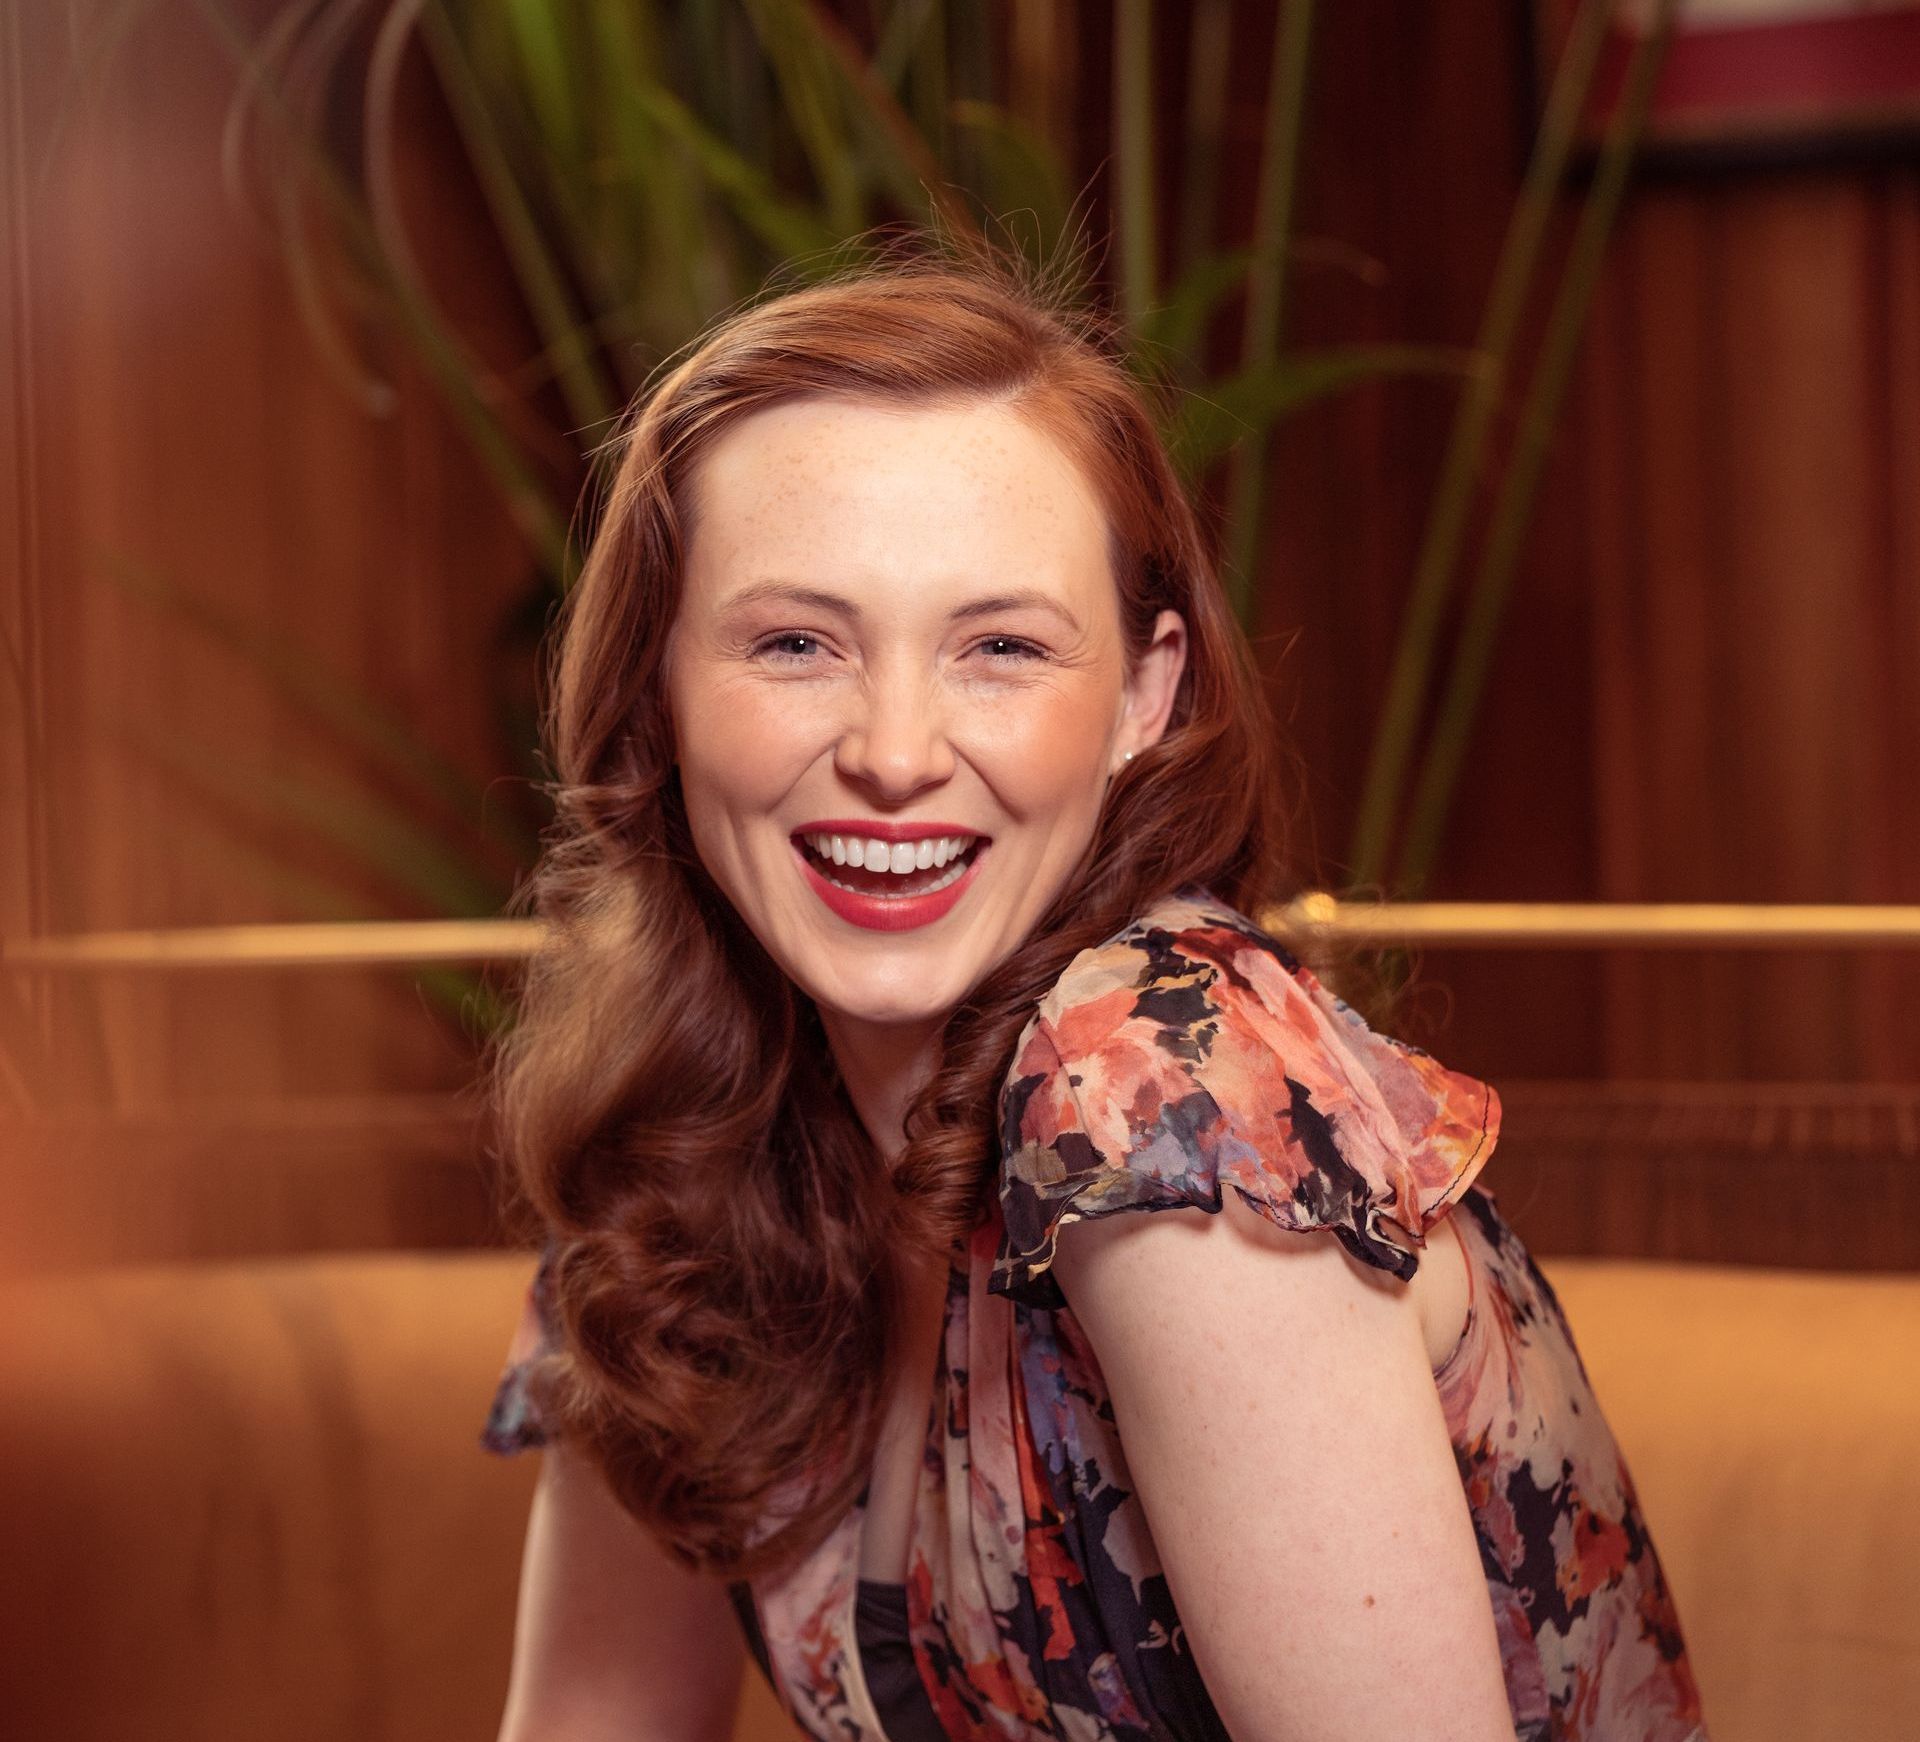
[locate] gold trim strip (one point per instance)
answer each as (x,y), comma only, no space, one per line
(1605,925)
(1314,919)
(330,944)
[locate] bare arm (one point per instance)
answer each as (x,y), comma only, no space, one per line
(613,1639)
(1282,1429)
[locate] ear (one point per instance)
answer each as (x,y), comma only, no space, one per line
(1151,687)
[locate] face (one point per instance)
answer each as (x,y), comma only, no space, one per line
(899,689)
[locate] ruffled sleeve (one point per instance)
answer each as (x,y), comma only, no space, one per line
(1192,1051)
(513,1423)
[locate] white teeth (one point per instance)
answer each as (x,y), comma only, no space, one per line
(899,858)
(952,876)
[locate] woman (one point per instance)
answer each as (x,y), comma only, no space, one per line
(914,791)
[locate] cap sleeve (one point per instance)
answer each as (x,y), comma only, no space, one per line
(1193,1051)
(513,1424)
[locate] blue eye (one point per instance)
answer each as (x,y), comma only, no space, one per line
(1019,649)
(775,645)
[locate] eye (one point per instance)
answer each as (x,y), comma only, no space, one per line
(789,647)
(1005,647)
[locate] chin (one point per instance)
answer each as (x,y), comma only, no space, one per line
(886,1007)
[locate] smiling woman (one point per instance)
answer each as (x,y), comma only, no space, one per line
(914,787)
(892,668)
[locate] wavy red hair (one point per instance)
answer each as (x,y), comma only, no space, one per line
(666,1101)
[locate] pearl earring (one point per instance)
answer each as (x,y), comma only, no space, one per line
(1126,755)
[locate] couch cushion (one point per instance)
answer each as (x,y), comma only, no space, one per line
(246,1500)
(1771,1421)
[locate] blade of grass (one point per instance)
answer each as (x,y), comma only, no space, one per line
(648,169)
(810,91)
(1176,324)
(1512,514)
(1210,46)
(785,226)
(1267,283)
(335,350)
(1452,502)
(349,713)
(1018,170)
(535,28)
(928,88)
(1133,200)
(899,37)
(384,839)
(970,32)
(538,518)
(1212,421)
(909,169)
(573,359)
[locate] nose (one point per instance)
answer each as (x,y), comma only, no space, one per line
(896,743)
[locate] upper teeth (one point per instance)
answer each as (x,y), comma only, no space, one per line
(896,856)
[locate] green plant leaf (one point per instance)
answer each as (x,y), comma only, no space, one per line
(352,715)
(900,35)
(1176,324)
(898,152)
(1513,508)
(537,30)
(378,835)
(540,520)
(785,226)
(1213,421)
(568,350)
(1450,505)
(1019,170)
(811,90)
(1267,282)
(1134,203)
(1209,71)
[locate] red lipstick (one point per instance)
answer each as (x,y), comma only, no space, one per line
(870,829)
(886,912)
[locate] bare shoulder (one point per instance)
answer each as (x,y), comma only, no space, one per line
(1253,1283)
(1276,1402)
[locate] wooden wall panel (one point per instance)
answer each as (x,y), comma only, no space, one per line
(1751,484)
(182,421)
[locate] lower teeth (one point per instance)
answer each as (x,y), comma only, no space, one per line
(954,872)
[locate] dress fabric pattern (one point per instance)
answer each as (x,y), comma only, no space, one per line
(1188,1053)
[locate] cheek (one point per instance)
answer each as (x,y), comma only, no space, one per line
(1047,748)
(740,744)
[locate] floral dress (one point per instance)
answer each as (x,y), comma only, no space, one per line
(1190,1052)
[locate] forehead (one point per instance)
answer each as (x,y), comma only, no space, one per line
(855,488)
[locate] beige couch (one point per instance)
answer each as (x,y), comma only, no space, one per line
(245,1500)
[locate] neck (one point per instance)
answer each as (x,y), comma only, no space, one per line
(884,1065)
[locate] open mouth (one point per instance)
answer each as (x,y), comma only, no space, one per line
(891,869)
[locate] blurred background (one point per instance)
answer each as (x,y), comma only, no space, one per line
(1550,372)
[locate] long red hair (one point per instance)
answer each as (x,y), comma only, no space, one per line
(666,1101)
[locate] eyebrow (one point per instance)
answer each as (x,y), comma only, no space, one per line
(818,599)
